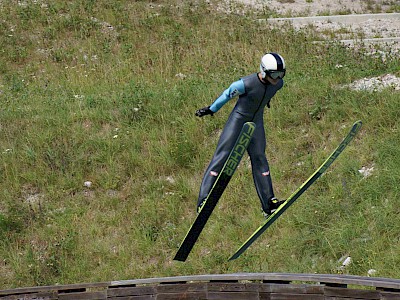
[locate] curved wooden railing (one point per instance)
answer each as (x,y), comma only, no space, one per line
(249,286)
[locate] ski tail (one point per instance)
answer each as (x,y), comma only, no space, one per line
(271,219)
(217,189)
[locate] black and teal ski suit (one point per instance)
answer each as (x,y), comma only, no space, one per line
(254,95)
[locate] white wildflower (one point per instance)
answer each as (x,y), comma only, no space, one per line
(180,76)
(366,171)
(87,184)
(33,198)
(170,179)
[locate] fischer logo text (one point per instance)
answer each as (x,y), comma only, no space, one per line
(238,151)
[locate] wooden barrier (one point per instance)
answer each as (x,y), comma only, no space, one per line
(249,286)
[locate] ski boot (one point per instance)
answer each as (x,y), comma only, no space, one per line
(273,205)
(200,205)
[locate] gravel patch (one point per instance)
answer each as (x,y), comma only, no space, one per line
(319,7)
(376,84)
(371,27)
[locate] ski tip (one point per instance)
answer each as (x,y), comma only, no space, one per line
(356,126)
(358,123)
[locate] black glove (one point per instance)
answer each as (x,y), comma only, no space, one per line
(204,111)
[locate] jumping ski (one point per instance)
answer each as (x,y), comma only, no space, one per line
(217,189)
(272,218)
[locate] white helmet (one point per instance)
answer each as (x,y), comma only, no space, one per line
(272,65)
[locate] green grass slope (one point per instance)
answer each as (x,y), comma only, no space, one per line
(105,91)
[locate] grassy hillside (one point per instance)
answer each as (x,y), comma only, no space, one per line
(105,91)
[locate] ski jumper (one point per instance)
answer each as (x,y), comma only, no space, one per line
(254,95)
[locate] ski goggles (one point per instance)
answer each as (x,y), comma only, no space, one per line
(276,74)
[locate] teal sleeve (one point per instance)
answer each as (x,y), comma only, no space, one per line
(235,89)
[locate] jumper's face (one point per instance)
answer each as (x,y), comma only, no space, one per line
(271,80)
